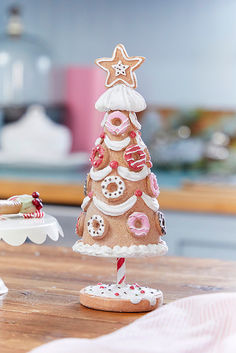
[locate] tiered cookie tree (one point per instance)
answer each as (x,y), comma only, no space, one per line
(121,216)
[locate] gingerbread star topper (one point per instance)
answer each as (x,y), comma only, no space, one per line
(120,68)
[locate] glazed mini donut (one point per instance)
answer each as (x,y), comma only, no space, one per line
(99,157)
(161,223)
(80,224)
(113,187)
(97,226)
(138,224)
(152,185)
(135,157)
(117,123)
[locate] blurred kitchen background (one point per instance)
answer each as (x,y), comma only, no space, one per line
(48,124)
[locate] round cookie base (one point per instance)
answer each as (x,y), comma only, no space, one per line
(118,303)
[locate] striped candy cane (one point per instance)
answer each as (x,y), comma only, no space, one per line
(36,214)
(121,270)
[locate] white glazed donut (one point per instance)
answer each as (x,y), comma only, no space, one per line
(138,224)
(113,187)
(117,123)
(97,226)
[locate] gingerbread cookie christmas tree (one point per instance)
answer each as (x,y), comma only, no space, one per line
(121,216)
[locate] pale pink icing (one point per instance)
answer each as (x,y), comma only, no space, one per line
(144,229)
(114,129)
(154,185)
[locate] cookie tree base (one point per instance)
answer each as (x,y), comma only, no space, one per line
(121,298)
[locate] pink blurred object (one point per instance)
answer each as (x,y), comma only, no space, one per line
(84,85)
(199,324)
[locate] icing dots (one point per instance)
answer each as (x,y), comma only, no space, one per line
(134,293)
(113,187)
(135,157)
(138,224)
(117,123)
(96,226)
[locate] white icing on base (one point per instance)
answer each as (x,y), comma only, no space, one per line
(151,202)
(159,249)
(116,145)
(120,97)
(115,210)
(133,176)
(85,202)
(134,120)
(100,174)
(134,293)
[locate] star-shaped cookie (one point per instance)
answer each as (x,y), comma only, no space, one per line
(120,68)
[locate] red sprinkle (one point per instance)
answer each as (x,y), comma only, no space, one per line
(102,287)
(99,283)
(35,194)
(132,134)
(138,193)
(131,287)
(114,164)
(142,291)
(117,294)
(90,194)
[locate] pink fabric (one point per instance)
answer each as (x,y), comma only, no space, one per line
(199,324)
(84,85)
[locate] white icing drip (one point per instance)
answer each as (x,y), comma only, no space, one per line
(117,145)
(98,141)
(134,120)
(159,249)
(134,293)
(104,120)
(133,176)
(85,202)
(151,202)
(115,210)
(100,174)
(120,97)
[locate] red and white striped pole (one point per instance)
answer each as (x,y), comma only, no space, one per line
(121,273)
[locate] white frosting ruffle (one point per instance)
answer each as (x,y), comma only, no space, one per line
(120,97)
(121,251)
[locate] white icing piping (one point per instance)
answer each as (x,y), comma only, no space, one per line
(115,210)
(121,251)
(134,120)
(117,145)
(133,176)
(100,174)
(151,202)
(134,293)
(85,202)
(104,120)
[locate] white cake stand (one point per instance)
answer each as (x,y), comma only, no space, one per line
(14,230)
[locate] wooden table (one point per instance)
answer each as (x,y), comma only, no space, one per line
(44,283)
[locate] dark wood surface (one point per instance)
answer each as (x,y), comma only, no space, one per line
(44,283)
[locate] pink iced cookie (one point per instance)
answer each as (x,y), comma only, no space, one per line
(138,224)
(153,185)
(117,123)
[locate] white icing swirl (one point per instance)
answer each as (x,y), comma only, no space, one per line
(151,202)
(85,202)
(117,145)
(120,97)
(115,210)
(100,174)
(121,251)
(133,176)
(134,120)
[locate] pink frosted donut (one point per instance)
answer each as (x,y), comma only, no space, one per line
(138,224)
(153,185)
(117,123)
